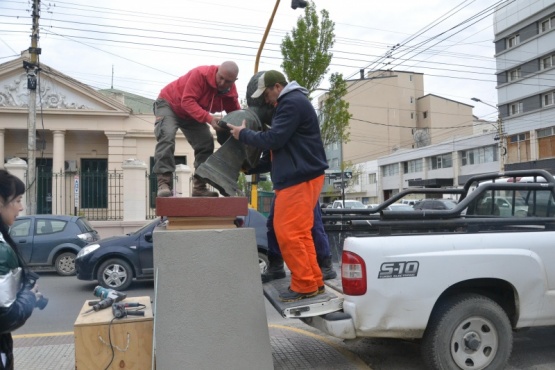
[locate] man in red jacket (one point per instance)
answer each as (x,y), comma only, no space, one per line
(189,104)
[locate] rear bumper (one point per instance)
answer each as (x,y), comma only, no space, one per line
(336,324)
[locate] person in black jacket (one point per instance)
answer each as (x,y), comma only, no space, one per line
(298,165)
(17,301)
(276,268)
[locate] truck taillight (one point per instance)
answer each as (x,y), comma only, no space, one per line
(353,274)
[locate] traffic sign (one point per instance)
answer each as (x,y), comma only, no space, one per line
(336,175)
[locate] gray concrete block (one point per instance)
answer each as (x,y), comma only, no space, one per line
(209,308)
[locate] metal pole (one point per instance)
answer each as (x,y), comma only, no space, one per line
(254,185)
(31,121)
(268,27)
(501,144)
(342,188)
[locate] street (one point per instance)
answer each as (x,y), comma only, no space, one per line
(532,350)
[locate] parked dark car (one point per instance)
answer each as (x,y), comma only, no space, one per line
(52,240)
(434,204)
(115,261)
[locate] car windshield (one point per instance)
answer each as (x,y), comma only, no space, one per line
(84,224)
(354,204)
(155,222)
(449,204)
(401,207)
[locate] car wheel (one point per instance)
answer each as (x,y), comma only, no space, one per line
(468,331)
(65,264)
(115,274)
(263,262)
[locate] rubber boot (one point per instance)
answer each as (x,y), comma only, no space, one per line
(327,267)
(200,189)
(164,182)
(275,270)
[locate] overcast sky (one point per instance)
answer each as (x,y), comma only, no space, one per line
(150,43)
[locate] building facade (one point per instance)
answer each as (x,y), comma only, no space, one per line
(525,63)
(391,115)
(82,134)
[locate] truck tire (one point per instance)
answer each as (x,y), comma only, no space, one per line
(65,264)
(115,274)
(467,331)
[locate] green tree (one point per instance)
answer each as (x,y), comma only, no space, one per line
(306,59)
(335,116)
(306,55)
(242,183)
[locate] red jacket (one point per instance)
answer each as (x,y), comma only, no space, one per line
(195,95)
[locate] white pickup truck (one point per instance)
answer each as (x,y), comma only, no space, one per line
(461,280)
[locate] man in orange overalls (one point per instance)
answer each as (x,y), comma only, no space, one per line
(298,165)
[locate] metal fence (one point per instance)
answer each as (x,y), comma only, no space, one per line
(151,189)
(97,195)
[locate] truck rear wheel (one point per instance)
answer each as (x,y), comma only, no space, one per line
(467,331)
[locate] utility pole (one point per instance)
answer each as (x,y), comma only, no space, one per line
(500,135)
(32,70)
(502,150)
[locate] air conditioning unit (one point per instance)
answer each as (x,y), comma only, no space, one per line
(70,166)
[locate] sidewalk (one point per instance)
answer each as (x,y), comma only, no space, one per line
(292,349)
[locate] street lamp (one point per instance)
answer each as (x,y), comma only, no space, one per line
(500,134)
(294,4)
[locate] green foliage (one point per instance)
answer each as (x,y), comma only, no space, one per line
(242,182)
(265,185)
(335,116)
(305,51)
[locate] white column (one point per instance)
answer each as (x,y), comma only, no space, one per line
(115,148)
(58,178)
(534,147)
(18,168)
(456,166)
(58,151)
(2,148)
(134,190)
(182,186)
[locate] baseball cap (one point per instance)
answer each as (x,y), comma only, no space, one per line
(268,79)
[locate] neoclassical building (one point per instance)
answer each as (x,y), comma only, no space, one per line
(83,138)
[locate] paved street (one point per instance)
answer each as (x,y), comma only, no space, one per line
(46,340)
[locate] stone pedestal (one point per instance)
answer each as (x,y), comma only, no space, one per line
(209,308)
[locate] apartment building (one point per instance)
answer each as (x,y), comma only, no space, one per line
(523,138)
(391,114)
(525,63)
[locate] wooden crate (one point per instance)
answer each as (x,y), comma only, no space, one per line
(131,339)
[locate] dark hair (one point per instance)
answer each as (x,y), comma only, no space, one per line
(10,188)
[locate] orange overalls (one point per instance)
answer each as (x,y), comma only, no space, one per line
(293,221)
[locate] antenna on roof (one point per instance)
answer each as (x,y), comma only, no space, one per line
(112,77)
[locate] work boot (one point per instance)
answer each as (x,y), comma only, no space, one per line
(326,266)
(292,296)
(164,182)
(200,189)
(275,270)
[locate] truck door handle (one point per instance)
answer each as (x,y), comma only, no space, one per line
(22,241)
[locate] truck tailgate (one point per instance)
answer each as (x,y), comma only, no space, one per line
(330,301)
